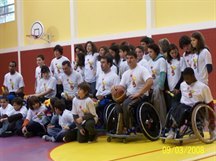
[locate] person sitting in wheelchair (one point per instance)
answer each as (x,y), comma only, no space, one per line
(193,92)
(106,80)
(137,81)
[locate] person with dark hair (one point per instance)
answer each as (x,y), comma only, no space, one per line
(79,64)
(40,62)
(13,83)
(193,92)
(123,66)
(34,124)
(185,45)
(164,46)
(91,65)
(144,42)
(12,124)
(137,81)
(79,49)
(107,78)
(175,67)
(70,80)
(202,60)
(56,63)
(65,121)
(140,57)
(158,70)
(47,85)
(84,114)
(114,52)
(103,53)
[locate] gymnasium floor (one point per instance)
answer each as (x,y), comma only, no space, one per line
(36,149)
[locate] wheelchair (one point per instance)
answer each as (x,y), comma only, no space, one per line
(196,126)
(146,122)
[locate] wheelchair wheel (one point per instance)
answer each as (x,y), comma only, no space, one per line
(107,111)
(200,122)
(149,121)
(112,120)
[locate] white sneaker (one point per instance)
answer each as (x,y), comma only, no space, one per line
(48,138)
(171,134)
(212,134)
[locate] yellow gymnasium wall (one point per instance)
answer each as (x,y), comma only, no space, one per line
(8,34)
(54,14)
(104,17)
(179,12)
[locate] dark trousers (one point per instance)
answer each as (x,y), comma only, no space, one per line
(35,128)
(90,132)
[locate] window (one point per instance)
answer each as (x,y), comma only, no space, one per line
(7,11)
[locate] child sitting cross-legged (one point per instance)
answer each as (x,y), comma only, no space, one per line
(65,121)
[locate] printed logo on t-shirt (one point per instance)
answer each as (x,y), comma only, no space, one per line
(12,84)
(195,63)
(133,80)
(90,64)
(153,72)
(83,110)
(190,92)
(103,84)
(70,83)
(173,68)
(58,66)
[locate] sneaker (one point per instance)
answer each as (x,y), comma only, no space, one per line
(171,134)
(48,138)
(212,134)
(28,134)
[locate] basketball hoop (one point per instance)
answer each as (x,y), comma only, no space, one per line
(37,32)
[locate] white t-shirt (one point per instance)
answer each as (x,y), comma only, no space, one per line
(174,70)
(70,83)
(155,67)
(99,70)
(56,66)
(200,62)
(81,106)
(37,75)
(146,57)
(134,80)
(66,118)
(23,110)
(194,93)
(143,63)
(7,111)
(37,115)
(45,84)
(78,69)
(90,67)
(188,59)
(105,82)
(123,67)
(13,82)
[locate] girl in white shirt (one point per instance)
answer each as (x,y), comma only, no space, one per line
(79,64)
(91,65)
(34,124)
(84,114)
(202,58)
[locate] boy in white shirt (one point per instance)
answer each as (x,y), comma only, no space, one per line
(144,42)
(13,83)
(193,91)
(137,81)
(12,123)
(56,67)
(65,121)
(123,66)
(70,80)
(40,62)
(106,80)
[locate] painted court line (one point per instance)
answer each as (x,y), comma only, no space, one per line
(201,157)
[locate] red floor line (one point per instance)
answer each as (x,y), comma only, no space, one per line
(206,157)
(136,155)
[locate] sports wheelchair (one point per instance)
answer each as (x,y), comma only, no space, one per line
(195,125)
(145,121)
